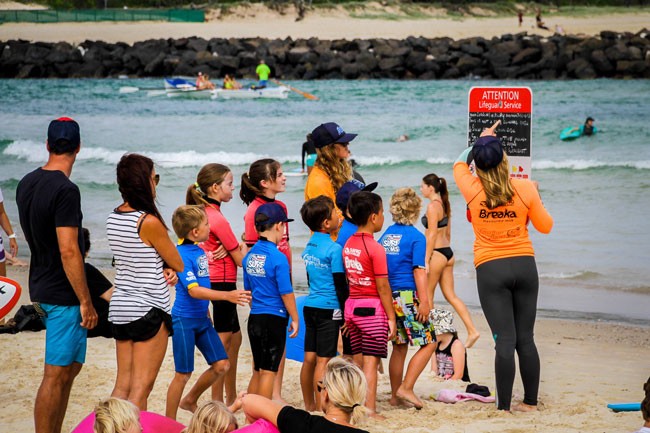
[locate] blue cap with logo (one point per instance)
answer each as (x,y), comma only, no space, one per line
(270,213)
(487,152)
(349,188)
(330,133)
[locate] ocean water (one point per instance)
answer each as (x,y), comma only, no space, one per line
(594,264)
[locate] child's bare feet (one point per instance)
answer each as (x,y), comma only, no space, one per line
(410,397)
(397,401)
(187,404)
(523,407)
(375,415)
(471,339)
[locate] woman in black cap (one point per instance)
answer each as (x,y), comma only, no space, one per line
(500,208)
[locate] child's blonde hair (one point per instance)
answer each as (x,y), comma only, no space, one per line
(186,218)
(346,387)
(211,417)
(405,206)
(115,415)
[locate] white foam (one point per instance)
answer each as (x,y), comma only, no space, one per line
(585,164)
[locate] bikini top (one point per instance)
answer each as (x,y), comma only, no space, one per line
(442,223)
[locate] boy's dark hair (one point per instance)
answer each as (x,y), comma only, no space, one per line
(315,211)
(362,205)
(86,236)
(261,224)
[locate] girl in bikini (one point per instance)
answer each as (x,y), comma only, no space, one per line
(439,255)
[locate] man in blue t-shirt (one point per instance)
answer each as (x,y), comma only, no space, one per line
(328,290)
(405,248)
(267,276)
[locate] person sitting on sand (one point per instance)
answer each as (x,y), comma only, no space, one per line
(645,409)
(538,20)
(342,394)
(450,360)
(13,245)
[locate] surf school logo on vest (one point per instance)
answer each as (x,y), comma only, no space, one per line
(203,266)
(391,243)
(255,265)
(497,214)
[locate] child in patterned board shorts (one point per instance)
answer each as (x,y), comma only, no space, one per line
(405,251)
(369,314)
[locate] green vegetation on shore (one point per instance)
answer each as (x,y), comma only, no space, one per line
(382,9)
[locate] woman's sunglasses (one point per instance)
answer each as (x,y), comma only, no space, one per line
(156,179)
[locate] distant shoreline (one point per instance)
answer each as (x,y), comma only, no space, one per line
(332,23)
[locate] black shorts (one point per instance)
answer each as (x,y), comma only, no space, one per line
(144,328)
(267,335)
(321,331)
(224,313)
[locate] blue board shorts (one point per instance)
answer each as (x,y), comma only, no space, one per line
(65,339)
(199,332)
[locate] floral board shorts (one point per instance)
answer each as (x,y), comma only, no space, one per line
(409,330)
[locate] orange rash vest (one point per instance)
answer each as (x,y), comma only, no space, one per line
(502,232)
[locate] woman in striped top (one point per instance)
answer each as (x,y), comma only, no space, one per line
(146,262)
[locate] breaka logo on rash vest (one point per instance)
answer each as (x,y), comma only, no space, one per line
(514,107)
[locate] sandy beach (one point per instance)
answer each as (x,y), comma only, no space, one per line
(375,21)
(585,365)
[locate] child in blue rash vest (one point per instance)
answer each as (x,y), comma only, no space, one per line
(405,253)
(267,276)
(348,228)
(190,316)
(328,291)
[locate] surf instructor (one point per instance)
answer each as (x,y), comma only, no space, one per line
(49,207)
(331,169)
(506,273)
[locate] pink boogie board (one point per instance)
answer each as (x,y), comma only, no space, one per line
(151,423)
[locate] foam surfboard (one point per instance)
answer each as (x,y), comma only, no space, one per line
(624,407)
(570,133)
(9,295)
(296,346)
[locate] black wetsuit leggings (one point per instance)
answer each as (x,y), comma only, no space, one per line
(508,290)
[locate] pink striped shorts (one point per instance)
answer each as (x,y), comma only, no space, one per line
(367,324)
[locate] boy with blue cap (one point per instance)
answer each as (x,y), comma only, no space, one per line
(267,276)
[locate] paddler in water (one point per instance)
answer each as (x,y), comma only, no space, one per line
(203,82)
(229,83)
(588,128)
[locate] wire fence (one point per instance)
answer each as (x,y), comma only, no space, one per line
(55,16)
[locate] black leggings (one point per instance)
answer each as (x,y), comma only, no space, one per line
(508,291)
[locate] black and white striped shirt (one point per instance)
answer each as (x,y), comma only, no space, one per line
(139,281)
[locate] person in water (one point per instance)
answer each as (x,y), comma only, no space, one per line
(588,128)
